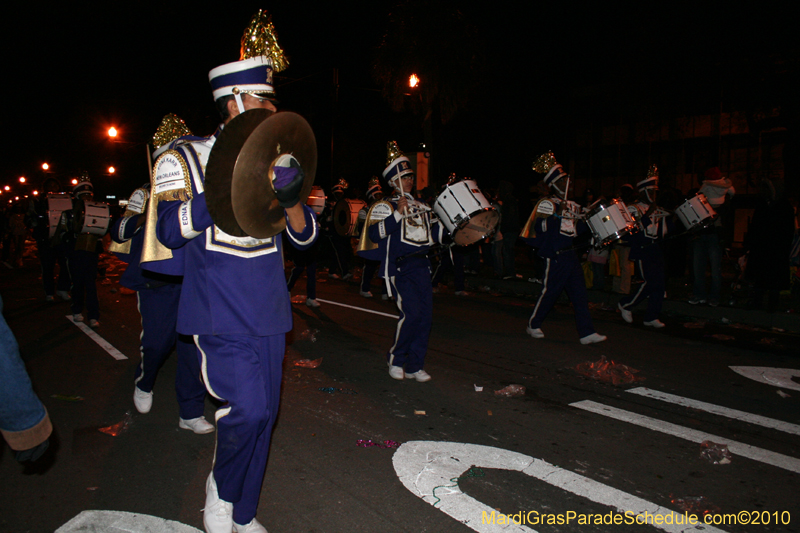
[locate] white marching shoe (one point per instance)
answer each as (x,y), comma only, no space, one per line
(419,375)
(593,338)
(253,527)
(199,425)
(218,514)
(142,400)
(365,294)
(536,333)
(627,316)
(654,323)
(396,372)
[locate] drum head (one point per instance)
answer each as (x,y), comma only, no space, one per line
(477,227)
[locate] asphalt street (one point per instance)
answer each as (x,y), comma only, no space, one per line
(447,455)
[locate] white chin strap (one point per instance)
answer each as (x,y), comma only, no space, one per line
(239,104)
(651,194)
(566,187)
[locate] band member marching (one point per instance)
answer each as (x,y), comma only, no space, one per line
(552,227)
(234,300)
(403,235)
(374,194)
(646,252)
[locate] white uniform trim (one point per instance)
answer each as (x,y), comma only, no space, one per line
(185,219)
(121,232)
(544,289)
(310,239)
(204,372)
(219,241)
(399,323)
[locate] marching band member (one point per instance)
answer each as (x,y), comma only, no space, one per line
(157,297)
(306,260)
(374,194)
(403,239)
(82,258)
(646,252)
(556,224)
(49,253)
(234,299)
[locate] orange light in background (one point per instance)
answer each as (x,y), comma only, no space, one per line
(111,170)
(36,193)
(112,131)
(16,198)
(413,81)
(45,166)
(22,179)
(74,181)
(7,188)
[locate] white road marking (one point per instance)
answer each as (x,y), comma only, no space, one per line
(357,308)
(777,377)
(750,418)
(116,354)
(120,522)
(423,466)
(737,448)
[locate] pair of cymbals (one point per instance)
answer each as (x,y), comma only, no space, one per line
(238,179)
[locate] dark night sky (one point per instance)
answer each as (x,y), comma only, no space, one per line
(70,72)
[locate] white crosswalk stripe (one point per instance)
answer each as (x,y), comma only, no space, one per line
(736,448)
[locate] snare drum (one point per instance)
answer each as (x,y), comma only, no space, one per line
(465,212)
(57,204)
(609,223)
(696,212)
(96,218)
(345,216)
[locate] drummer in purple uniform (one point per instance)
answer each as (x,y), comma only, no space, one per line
(647,254)
(556,226)
(404,238)
(234,300)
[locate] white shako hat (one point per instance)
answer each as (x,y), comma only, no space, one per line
(260,55)
(373,187)
(83,186)
(397,164)
(651,181)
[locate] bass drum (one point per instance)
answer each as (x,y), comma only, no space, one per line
(345,216)
(466,213)
(57,204)
(696,213)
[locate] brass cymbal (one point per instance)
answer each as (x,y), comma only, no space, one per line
(252,194)
(220,166)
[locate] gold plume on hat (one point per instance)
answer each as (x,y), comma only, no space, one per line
(392,152)
(260,39)
(374,182)
(172,127)
(343,184)
(544,163)
(653,171)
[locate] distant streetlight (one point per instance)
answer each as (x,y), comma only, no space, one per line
(16,198)
(74,181)
(413,81)
(45,166)
(36,193)
(7,188)
(112,131)
(22,179)
(111,170)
